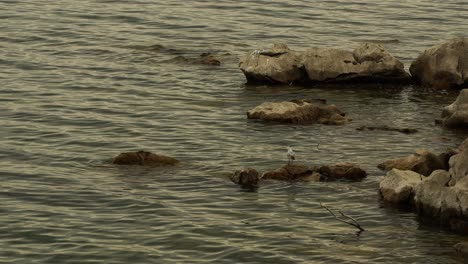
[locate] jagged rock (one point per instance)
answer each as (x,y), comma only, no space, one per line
(290,173)
(247,178)
(398,186)
(462,249)
(298,112)
(143,158)
(456,114)
(369,61)
(443,66)
(423,162)
(345,171)
(277,65)
(388,128)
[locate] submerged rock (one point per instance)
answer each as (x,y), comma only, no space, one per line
(388,128)
(398,186)
(143,158)
(345,171)
(298,112)
(443,66)
(204,59)
(247,178)
(277,65)
(423,162)
(456,114)
(367,62)
(289,173)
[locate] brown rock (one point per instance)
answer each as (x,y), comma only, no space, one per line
(388,128)
(290,173)
(456,114)
(346,171)
(247,178)
(143,158)
(398,186)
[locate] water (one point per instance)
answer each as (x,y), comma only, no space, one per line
(82,81)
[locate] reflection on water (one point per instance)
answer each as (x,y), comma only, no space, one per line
(83,81)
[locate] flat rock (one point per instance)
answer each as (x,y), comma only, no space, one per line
(290,173)
(398,186)
(456,114)
(298,112)
(443,66)
(345,171)
(143,158)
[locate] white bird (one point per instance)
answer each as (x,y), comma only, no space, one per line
(291,155)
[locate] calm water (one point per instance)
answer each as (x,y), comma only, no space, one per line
(82,81)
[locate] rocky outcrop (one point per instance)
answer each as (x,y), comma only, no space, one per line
(290,173)
(298,112)
(443,66)
(456,114)
(368,62)
(246,178)
(345,171)
(422,161)
(442,197)
(143,158)
(388,128)
(277,65)
(398,186)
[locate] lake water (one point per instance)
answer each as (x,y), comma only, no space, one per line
(82,81)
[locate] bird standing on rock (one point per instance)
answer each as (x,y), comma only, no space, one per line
(291,155)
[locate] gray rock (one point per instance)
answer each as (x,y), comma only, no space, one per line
(456,114)
(459,165)
(277,65)
(443,66)
(398,186)
(298,112)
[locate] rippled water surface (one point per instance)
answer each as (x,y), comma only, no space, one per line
(82,81)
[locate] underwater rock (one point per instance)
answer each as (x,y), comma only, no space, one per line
(443,66)
(289,173)
(388,128)
(204,59)
(143,158)
(298,112)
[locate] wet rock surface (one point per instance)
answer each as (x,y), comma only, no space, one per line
(143,158)
(298,112)
(289,173)
(247,178)
(443,66)
(345,171)
(456,114)
(388,128)
(398,186)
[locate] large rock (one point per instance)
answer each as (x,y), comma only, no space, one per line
(423,162)
(456,114)
(345,171)
(277,65)
(459,164)
(246,178)
(143,158)
(398,186)
(298,112)
(443,66)
(368,62)
(291,173)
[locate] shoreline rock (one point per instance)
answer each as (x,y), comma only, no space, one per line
(456,114)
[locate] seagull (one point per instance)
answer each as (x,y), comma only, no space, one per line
(291,155)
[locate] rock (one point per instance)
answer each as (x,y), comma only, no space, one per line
(277,65)
(387,128)
(367,62)
(459,164)
(345,171)
(143,158)
(398,186)
(462,249)
(204,59)
(423,162)
(246,178)
(298,112)
(290,173)
(456,114)
(443,66)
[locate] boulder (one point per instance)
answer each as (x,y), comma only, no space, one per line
(346,171)
(143,158)
(423,162)
(456,114)
(462,249)
(398,186)
(443,66)
(459,164)
(291,173)
(246,178)
(277,65)
(367,62)
(388,128)
(298,112)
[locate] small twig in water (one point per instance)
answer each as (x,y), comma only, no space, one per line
(353,223)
